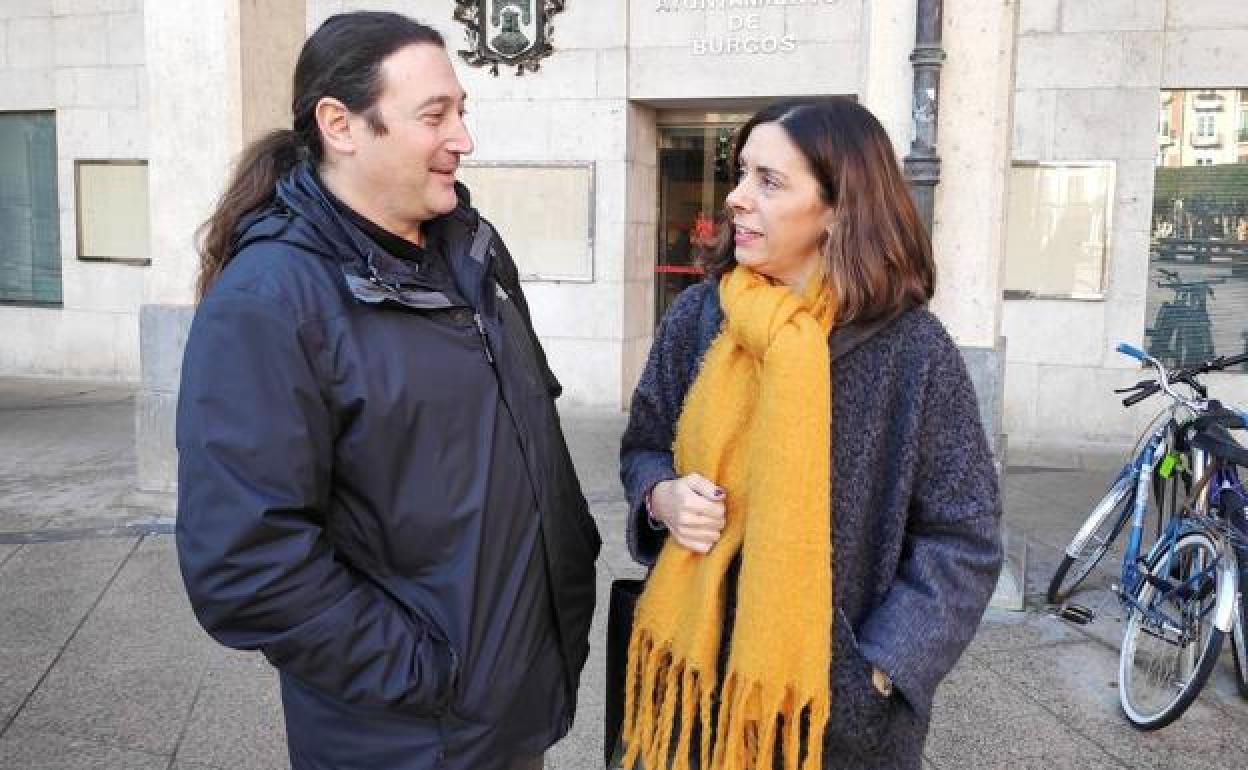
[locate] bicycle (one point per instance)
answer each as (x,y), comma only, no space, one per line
(1184,597)
(1168,595)
(1158,460)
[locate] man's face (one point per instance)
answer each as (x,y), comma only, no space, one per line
(408,168)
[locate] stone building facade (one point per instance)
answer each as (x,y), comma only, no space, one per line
(636,95)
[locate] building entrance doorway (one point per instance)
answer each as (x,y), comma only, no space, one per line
(694,176)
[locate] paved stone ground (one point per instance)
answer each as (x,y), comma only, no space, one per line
(102,665)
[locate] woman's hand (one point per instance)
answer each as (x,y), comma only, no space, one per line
(692,509)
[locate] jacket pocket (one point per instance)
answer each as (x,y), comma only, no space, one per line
(861,718)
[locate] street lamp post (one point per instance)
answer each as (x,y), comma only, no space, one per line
(922,165)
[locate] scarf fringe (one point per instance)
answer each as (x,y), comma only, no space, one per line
(754,719)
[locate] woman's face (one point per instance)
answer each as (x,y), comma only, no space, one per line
(779,215)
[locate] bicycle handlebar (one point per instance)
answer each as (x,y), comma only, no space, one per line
(1146,388)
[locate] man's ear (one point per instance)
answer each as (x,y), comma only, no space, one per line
(334,121)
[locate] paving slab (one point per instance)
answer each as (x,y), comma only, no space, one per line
(23,749)
(1002,631)
(49,589)
(237,719)
(975,693)
(130,676)
(1044,742)
(582,748)
(1081,679)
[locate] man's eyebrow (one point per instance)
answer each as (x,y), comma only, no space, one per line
(443,100)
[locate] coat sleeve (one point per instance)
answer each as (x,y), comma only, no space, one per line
(255,442)
(951,554)
(646,448)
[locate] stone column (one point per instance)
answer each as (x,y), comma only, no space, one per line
(219,74)
(968,237)
(969,231)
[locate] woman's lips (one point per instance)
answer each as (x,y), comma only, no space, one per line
(744,236)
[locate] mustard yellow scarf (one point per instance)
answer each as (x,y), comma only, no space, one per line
(756,421)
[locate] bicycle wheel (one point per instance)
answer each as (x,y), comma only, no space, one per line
(1110,514)
(1239,628)
(1239,645)
(1170,644)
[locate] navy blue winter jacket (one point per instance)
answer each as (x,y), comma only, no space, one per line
(374,491)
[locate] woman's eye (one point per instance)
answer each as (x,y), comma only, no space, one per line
(433,118)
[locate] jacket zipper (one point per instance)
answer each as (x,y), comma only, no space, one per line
(485,340)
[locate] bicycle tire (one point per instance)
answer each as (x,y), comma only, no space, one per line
(1207,643)
(1063,583)
(1239,633)
(1239,654)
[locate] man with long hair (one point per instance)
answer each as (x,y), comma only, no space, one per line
(374,488)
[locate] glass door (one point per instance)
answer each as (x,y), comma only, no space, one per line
(694,177)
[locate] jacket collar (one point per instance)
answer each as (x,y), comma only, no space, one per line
(847,338)
(372,275)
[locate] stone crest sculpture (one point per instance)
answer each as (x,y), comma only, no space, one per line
(508,32)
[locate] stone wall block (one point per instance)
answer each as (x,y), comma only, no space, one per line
(840,20)
(651,28)
(81,133)
(588,368)
(17,9)
(1020,406)
(1206,14)
(1039,16)
(986,367)
(1033,123)
(157,453)
(1141,59)
(1113,15)
(27,90)
(583,311)
(673,73)
(1126,272)
(1099,124)
(587,130)
(97,86)
(1032,325)
(566,74)
(613,74)
(1212,58)
(163,330)
(127,134)
(125,39)
(596,25)
(1085,60)
(80,7)
(80,41)
(29,45)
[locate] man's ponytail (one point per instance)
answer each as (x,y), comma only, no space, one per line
(250,189)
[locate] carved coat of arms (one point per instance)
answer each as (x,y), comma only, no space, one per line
(508,32)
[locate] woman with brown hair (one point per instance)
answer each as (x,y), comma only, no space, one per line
(807,472)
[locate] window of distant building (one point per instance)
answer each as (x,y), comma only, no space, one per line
(30,239)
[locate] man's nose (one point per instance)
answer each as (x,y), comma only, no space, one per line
(460,141)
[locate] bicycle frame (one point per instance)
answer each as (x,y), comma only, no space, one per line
(1225,568)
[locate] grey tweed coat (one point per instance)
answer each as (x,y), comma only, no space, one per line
(916,546)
